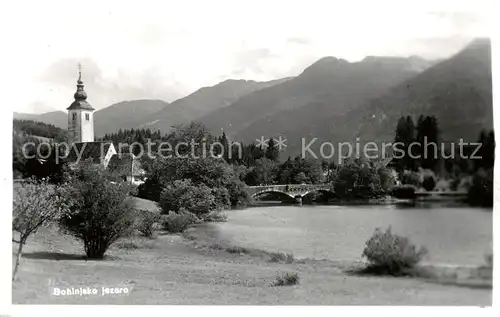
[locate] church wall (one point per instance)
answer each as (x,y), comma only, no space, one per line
(87,126)
(73,126)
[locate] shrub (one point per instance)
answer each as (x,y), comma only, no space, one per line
(282,257)
(410,178)
(238,250)
(403,192)
(101,211)
(178,222)
(428,183)
(151,189)
(221,198)
(146,222)
(454,183)
(215,216)
(283,279)
(489,259)
(238,196)
(389,253)
(182,194)
(481,191)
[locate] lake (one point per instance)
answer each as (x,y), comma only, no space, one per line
(453,235)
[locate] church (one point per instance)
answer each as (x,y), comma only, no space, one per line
(84,148)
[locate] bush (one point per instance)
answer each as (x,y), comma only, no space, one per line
(146,222)
(101,211)
(238,196)
(481,191)
(282,257)
(489,259)
(410,178)
(221,198)
(389,253)
(178,222)
(454,184)
(283,279)
(403,192)
(182,194)
(215,216)
(428,183)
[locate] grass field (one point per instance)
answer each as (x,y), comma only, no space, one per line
(174,269)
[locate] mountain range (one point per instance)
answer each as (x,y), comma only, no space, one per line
(332,100)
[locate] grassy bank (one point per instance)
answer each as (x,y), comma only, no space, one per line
(174,269)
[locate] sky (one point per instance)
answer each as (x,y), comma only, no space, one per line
(169,49)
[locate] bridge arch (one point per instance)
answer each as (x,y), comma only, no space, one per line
(271,191)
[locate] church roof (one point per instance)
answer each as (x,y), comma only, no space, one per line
(93,151)
(80,97)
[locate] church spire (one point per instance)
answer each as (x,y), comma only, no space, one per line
(80,94)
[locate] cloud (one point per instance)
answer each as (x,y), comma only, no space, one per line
(298,40)
(104,90)
(167,51)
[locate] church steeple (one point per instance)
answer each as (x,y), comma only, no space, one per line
(80,94)
(80,114)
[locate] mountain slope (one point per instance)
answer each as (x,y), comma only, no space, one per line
(56,118)
(203,101)
(326,87)
(457,91)
(125,115)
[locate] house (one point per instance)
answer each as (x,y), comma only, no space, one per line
(127,165)
(95,152)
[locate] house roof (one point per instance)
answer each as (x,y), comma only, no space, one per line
(125,164)
(94,151)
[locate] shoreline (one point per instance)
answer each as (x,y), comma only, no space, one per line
(442,273)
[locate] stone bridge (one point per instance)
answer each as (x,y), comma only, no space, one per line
(295,191)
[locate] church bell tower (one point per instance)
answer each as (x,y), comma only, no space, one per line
(80,115)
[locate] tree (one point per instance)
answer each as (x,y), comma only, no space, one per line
(481,191)
(238,196)
(486,152)
(288,171)
(427,137)
(225,147)
(35,203)
(405,131)
(300,178)
(264,172)
(272,152)
(101,211)
(358,179)
(428,183)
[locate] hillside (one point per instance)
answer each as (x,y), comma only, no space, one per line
(38,129)
(458,91)
(56,118)
(125,115)
(327,87)
(203,101)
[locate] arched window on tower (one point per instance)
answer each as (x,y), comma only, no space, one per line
(87,117)
(74,116)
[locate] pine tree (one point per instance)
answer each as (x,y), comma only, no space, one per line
(427,137)
(272,151)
